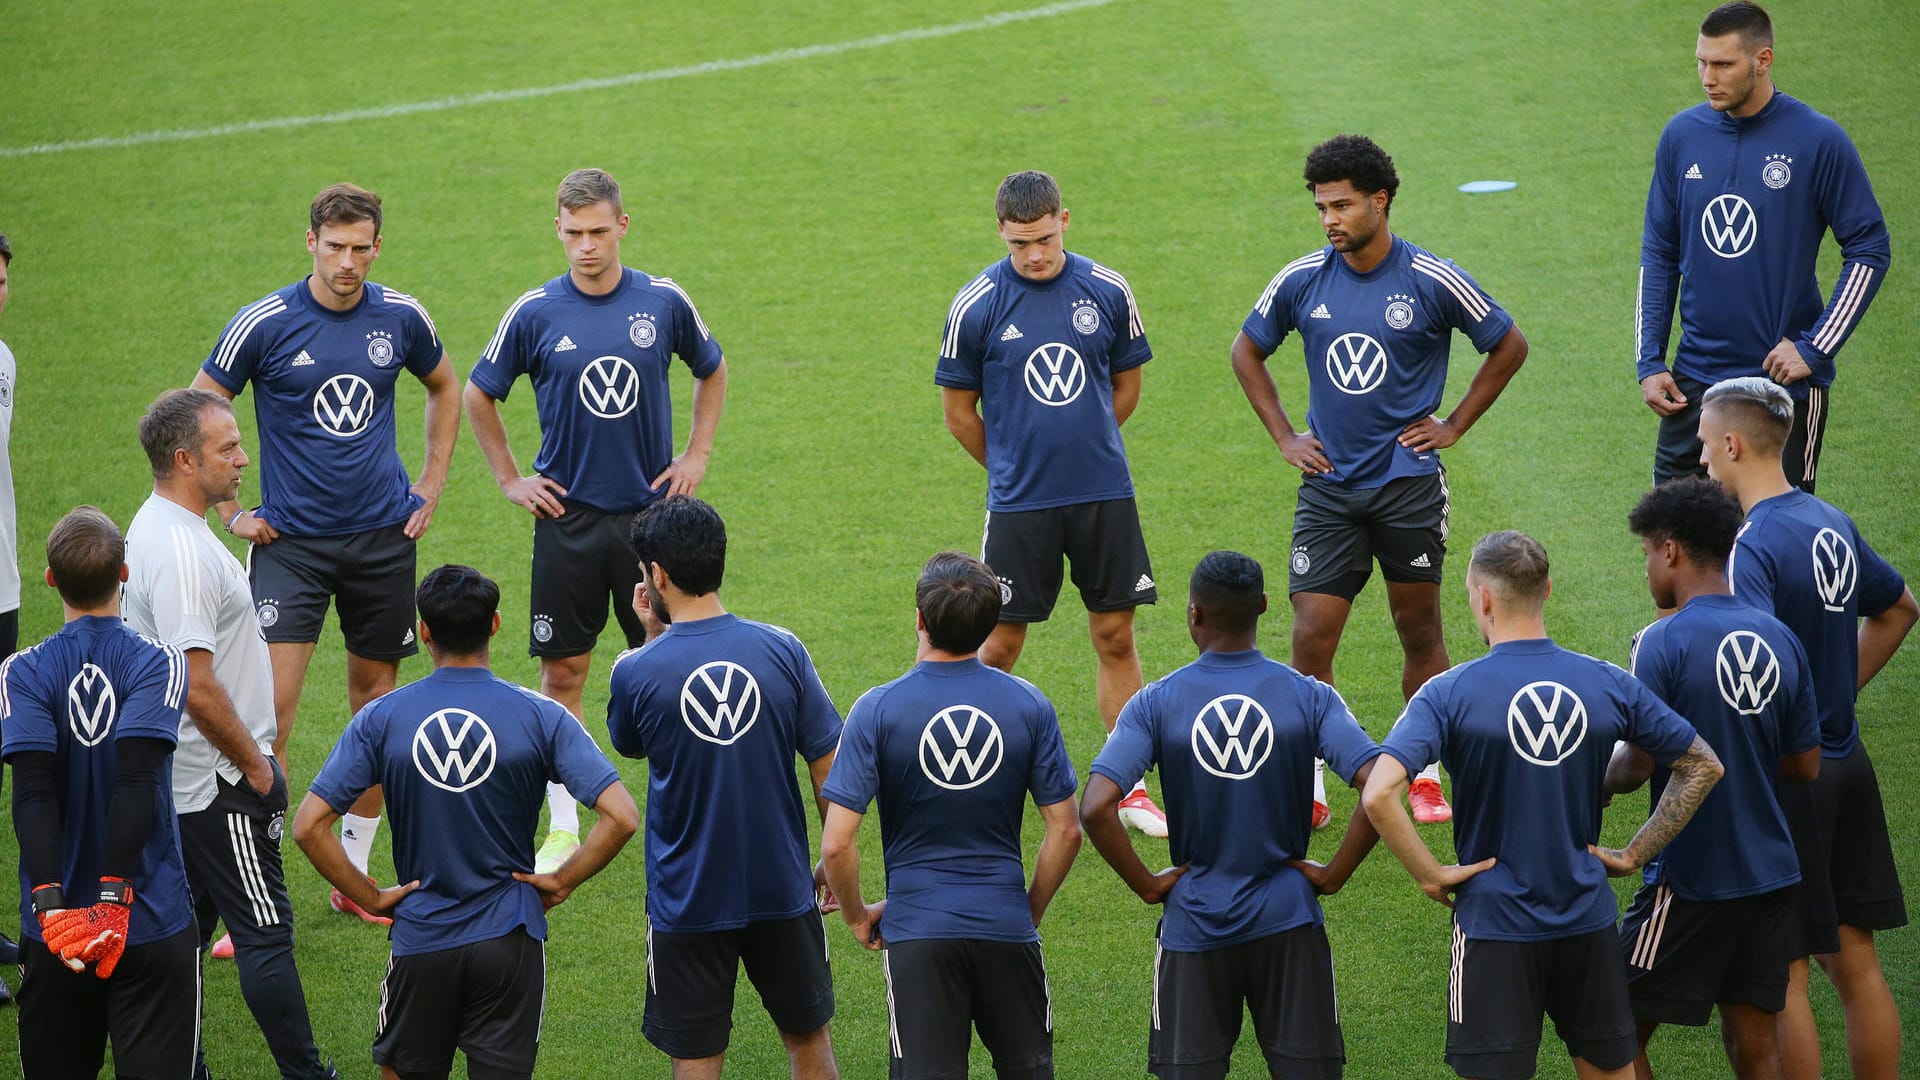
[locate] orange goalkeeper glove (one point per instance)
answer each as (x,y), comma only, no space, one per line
(101,938)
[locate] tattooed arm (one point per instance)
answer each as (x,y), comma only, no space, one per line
(1694,774)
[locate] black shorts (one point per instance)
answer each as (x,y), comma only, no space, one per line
(1677,453)
(581,560)
(149,1010)
(9,633)
(1286,982)
(1847,873)
(484,998)
(368,574)
(232,852)
(1498,992)
(940,990)
(690,979)
(1102,541)
(1686,956)
(1339,531)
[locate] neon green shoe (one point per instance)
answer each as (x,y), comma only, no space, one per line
(560,845)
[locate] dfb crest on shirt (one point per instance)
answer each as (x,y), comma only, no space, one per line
(1232,736)
(454,750)
(642,331)
(609,387)
(1777,171)
(1835,569)
(91,705)
(720,701)
(1546,722)
(1729,226)
(1747,671)
(343,406)
(380,348)
(1356,363)
(269,613)
(1055,374)
(961,747)
(1399,311)
(6,392)
(1086,317)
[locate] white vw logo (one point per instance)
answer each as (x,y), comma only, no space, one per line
(1747,670)
(1055,374)
(1546,722)
(960,748)
(720,696)
(1356,363)
(343,405)
(454,750)
(91,705)
(1729,226)
(1835,570)
(609,387)
(1222,741)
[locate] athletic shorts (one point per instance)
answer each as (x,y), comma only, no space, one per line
(368,574)
(690,980)
(582,560)
(1338,533)
(1847,872)
(1677,452)
(1686,956)
(1286,983)
(1499,991)
(1101,540)
(232,853)
(941,989)
(9,633)
(484,999)
(149,1010)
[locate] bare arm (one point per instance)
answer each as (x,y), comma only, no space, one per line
(618,818)
(1801,768)
(1431,433)
(1881,635)
(817,770)
(1694,774)
(1384,800)
(962,408)
(538,495)
(687,470)
(1354,846)
(1126,395)
(1303,452)
(1057,850)
(313,831)
(1100,817)
(1629,767)
(840,866)
(443,425)
(212,712)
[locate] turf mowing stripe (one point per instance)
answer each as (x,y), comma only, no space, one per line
(489,97)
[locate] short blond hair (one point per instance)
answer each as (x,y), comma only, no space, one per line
(585,187)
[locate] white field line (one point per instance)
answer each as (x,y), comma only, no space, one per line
(489,97)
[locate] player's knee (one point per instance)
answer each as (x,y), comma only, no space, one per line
(1113,639)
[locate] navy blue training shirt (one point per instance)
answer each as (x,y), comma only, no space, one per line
(1740,678)
(75,695)
(464,758)
(1234,736)
(323,404)
(952,750)
(719,707)
(1527,731)
(1042,355)
(599,367)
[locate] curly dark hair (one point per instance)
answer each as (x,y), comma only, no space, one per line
(1355,158)
(1694,512)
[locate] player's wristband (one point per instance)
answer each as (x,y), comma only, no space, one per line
(114,890)
(49,897)
(234,518)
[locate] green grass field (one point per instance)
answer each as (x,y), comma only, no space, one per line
(823,209)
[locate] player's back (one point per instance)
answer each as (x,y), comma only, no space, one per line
(74,695)
(954,749)
(719,707)
(1740,678)
(1527,731)
(1805,562)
